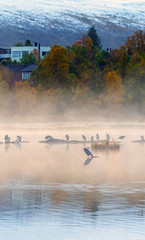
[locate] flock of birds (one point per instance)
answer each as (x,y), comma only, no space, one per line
(18,139)
(92,137)
(86,150)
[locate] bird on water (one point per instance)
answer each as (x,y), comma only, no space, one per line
(84,137)
(67,137)
(48,137)
(121,137)
(7,139)
(142,138)
(97,136)
(88,153)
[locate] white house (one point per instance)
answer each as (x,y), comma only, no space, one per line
(17,52)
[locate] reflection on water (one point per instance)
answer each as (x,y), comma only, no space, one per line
(54,192)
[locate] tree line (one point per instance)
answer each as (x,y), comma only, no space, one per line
(84,74)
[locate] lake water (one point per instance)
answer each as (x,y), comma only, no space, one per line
(51,192)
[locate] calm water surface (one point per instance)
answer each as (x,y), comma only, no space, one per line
(52,192)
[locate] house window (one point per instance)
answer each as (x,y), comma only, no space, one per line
(25,75)
(16,54)
(23,52)
(44,53)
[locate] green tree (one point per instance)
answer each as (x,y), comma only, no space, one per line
(95,38)
(19,44)
(28,58)
(28,43)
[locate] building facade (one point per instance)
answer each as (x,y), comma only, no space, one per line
(16,53)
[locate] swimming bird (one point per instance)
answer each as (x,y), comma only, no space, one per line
(142,138)
(48,137)
(92,138)
(67,137)
(84,137)
(121,137)
(97,136)
(7,139)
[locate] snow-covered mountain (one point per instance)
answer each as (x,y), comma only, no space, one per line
(64,21)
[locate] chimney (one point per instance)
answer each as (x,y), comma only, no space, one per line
(39,48)
(35,44)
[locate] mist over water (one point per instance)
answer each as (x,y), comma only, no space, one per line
(53,192)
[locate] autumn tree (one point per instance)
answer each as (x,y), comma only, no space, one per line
(114,87)
(136,43)
(37,55)
(54,68)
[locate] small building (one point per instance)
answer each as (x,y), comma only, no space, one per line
(18,52)
(25,72)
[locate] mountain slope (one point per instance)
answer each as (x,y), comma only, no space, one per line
(64,21)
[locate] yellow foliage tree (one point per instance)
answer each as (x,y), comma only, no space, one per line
(4,96)
(55,67)
(114,87)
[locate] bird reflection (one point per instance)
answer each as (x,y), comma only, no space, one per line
(48,146)
(67,147)
(18,145)
(88,160)
(7,146)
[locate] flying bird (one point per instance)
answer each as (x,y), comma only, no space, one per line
(84,137)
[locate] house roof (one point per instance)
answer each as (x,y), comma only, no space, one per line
(16,68)
(29,68)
